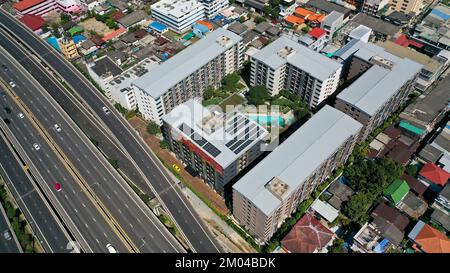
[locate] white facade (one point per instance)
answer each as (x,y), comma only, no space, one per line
(189,73)
(212,7)
(285,64)
(178,15)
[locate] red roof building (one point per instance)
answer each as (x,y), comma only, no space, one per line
(317,32)
(307,236)
(405,42)
(434,174)
(33,22)
(430,240)
(117,15)
(26,4)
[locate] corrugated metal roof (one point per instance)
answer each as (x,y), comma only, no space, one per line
(185,63)
(297,157)
(316,64)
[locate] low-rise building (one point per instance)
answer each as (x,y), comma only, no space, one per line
(372,7)
(428,239)
(178,15)
(315,39)
(135,18)
(420,117)
(268,194)
(433,176)
(331,23)
(285,64)
(68,48)
(412,205)
(214,144)
(384,86)
(396,191)
(433,30)
(308,235)
(442,202)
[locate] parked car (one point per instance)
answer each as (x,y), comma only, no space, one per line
(106,110)
(7,234)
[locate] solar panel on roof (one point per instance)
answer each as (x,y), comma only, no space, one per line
(243,146)
(211,149)
(186,129)
(198,139)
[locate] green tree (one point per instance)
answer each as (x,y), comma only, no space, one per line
(229,82)
(412,170)
(337,246)
(306,29)
(65,18)
(153,128)
(164,144)
(259,19)
(258,95)
(357,206)
(209,93)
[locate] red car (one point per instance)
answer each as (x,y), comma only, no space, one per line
(57,186)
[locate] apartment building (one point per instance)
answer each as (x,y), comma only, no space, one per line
(331,23)
(385,83)
(178,15)
(432,66)
(214,144)
(372,7)
(271,191)
(285,64)
(406,6)
(212,7)
(68,48)
(188,73)
(42,7)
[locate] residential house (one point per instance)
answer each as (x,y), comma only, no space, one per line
(391,215)
(433,176)
(135,18)
(428,239)
(412,205)
(396,191)
(442,202)
(308,236)
(340,194)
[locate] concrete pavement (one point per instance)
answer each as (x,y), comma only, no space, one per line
(155,176)
(129,217)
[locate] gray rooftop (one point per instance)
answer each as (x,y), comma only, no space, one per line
(316,64)
(185,63)
(297,157)
(376,24)
(238,28)
(133,18)
(348,49)
(377,85)
(262,27)
(333,17)
(105,67)
(219,134)
(425,110)
(328,7)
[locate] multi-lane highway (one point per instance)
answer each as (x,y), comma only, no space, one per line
(133,220)
(79,213)
(8,241)
(33,204)
(155,178)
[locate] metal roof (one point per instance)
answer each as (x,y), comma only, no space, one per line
(215,143)
(377,85)
(185,63)
(297,157)
(316,64)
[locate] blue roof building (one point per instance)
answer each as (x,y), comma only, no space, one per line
(78,38)
(199,30)
(54,43)
(158,27)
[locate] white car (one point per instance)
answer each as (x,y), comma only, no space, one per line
(106,110)
(36,146)
(12,84)
(20,115)
(111,249)
(7,235)
(57,128)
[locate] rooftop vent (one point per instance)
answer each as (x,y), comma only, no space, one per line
(223,41)
(385,63)
(211,123)
(277,187)
(285,52)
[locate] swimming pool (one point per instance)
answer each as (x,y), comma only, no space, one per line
(268,120)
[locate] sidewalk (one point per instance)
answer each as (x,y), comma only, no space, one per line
(153,142)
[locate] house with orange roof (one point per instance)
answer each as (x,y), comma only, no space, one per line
(294,20)
(114,34)
(309,16)
(428,239)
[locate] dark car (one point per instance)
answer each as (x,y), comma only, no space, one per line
(8,110)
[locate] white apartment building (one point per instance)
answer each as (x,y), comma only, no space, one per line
(272,190)
(372,7)
(285,64)
(178,15)
(212,7)
(120,86)
(189,73)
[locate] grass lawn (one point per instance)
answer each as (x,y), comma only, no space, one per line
(234,99)
(213,101)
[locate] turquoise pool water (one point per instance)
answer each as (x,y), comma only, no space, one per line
(268,120)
